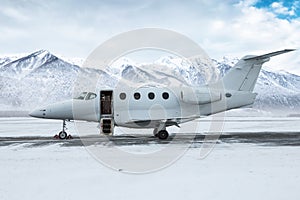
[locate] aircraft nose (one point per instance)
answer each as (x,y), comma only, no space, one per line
(39,113)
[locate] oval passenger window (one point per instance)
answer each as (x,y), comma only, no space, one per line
(165,95)
(122,96)
(137,96)
(151,95)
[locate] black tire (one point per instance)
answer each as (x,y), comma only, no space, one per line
(62,135)
(163,134)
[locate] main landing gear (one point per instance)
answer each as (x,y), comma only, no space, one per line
(63,134)
(161,132)
(163,135)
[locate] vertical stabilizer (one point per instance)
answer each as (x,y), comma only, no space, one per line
(244,74)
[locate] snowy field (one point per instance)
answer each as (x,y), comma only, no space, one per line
(234,169)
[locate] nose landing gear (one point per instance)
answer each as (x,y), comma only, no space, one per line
(63,134)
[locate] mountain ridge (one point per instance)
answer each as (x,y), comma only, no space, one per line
(41,78)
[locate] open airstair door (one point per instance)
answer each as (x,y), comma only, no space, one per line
(106,112)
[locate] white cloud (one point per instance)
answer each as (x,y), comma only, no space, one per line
(13,13)
(280,9)
(221,27)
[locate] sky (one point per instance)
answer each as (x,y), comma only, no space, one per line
(74,28)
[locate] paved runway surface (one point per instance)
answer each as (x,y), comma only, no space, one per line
(259,138)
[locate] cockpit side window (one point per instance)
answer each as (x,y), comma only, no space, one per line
(90,96)
(81,96)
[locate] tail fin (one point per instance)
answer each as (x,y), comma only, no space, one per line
(244,74)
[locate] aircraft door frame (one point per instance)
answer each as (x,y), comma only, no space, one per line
(106,103)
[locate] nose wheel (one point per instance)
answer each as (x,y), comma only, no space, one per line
(63,134)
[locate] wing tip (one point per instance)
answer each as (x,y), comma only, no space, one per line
(288,50)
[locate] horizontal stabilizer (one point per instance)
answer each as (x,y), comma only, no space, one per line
(268,55)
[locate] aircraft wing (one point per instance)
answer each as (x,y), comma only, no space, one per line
(167,122)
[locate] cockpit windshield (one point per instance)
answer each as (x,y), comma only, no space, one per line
(81,96)
(86,96)
(90,95)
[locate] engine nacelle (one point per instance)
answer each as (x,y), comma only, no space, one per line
(199,96)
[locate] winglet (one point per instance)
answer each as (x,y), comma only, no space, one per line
(268,55)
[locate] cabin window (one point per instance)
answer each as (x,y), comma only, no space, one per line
(151,95)
(165,95)
(122,96)
(137,96)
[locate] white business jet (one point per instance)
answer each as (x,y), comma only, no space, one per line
(161,107)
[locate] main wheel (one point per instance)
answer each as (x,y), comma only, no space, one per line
(62,135)
(163,134)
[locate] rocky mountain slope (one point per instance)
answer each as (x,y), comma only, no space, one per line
(41,78)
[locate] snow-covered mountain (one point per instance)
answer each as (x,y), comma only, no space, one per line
(167,70)
(34,79)
(42,78)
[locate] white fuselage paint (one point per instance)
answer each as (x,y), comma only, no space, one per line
(181,105)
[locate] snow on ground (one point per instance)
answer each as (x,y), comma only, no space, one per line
(230,171)
(25,126)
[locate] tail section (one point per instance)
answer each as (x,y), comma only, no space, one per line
(243,76)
